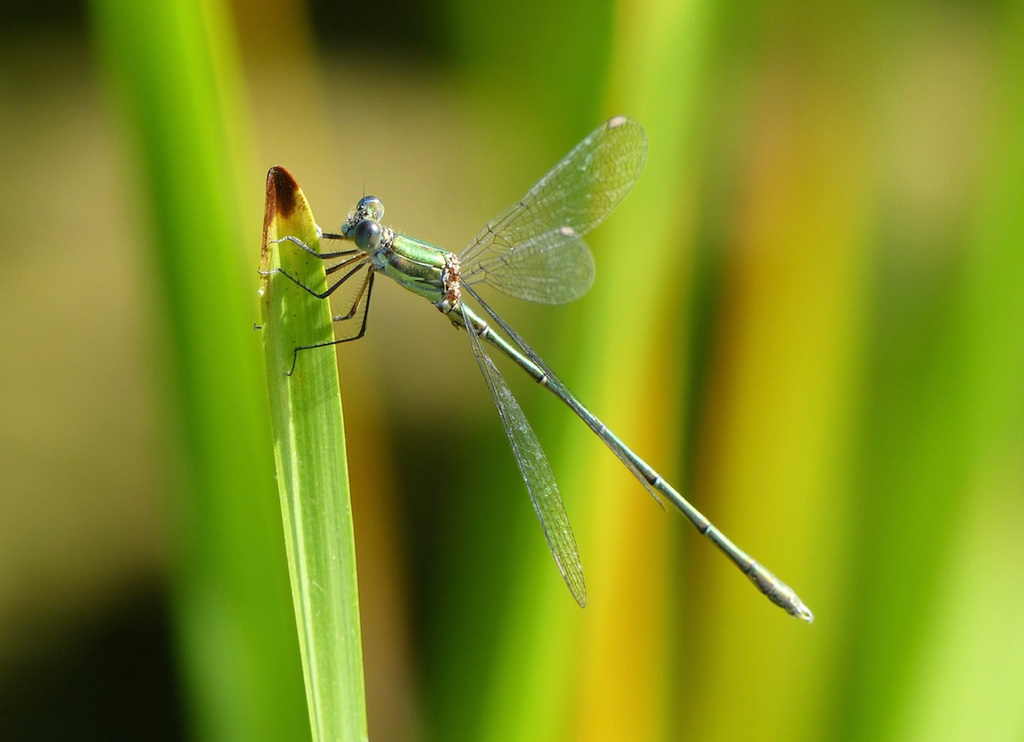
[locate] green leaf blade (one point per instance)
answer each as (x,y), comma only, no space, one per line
(309,451)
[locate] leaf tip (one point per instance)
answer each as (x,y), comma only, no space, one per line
(283,198)
(282,192)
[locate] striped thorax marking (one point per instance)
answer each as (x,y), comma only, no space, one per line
(451,283)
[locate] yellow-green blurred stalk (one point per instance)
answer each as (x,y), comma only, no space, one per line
(173,71)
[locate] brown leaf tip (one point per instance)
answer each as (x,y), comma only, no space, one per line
(282,188)
(282,199)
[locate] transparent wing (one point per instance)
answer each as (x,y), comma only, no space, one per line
(533,464)
(555,385)
(551,268)
(544,230)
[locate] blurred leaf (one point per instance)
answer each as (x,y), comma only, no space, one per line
(171,65)
(534,99)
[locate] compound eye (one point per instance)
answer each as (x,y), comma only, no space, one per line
(370,207)
(367,235)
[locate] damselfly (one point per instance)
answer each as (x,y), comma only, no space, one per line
(533,250)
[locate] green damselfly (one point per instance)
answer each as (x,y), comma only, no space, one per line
(533,250)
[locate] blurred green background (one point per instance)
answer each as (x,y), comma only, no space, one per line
(808,315)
